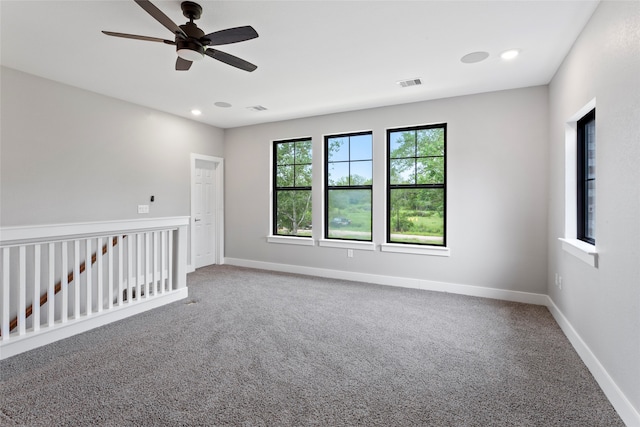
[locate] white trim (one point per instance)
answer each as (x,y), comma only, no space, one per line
(51,232)
(403,282)
(416,249)
(46,335)
(620,402)
(582,250)
(347,244)
(291,240)
(219,207)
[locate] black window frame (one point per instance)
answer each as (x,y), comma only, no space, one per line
(328,188)
(583,179)
(391,187)
(276,188)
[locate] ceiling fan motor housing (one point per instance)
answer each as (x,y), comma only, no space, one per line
(186,48)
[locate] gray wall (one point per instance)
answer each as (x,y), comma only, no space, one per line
(69,155)
(603,304)
(497,191)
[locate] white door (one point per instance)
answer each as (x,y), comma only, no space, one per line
(203,218)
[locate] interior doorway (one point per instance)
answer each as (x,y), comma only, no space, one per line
(207,213)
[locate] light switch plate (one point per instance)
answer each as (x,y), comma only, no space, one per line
(143,209)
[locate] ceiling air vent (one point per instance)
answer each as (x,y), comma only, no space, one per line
(410,82)
(257,108)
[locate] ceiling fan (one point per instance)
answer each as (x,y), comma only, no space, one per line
(191,42)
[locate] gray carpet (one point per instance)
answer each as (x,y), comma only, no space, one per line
(256,348)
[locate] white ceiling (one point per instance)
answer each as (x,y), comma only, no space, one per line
(313,57)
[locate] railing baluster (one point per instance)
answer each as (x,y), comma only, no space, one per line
(110,272)
(155,263)
(6,257)
(65,281)
(129,268)
(99,260)
(88,275)
(170,259)
(147,276)
(120,249)
(76,279)
(37,269)
(22,290)
(51,299)
(139,239)
(163,264)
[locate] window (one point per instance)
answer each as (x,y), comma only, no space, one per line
(348,183)
(292,188)
(416,193)
(586,178)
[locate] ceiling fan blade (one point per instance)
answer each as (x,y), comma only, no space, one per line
(136,37)
(183,64)
(234,61)
(230,35)
(159,16)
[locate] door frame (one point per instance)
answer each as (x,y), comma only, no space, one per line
(218,188)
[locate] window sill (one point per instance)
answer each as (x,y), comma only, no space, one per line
(302,241)
(581,250)
(347,244)
(415,249)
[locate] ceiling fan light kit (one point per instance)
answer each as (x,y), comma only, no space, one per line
(190,41)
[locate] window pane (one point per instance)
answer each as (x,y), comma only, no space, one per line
(303,175)
(430,170)
(361,173)
(417,216)
(303,151)
(430,142)
(360,147)
(349,214)
(403,171)
(590,134)
(285,154)
(293,212)
(284,176)
(590,211)
(339,173)
(402,144)
(338,149)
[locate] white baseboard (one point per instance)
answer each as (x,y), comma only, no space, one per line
(48,335)
(403,282)
(622,405)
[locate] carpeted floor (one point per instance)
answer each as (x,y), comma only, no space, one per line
(257,348)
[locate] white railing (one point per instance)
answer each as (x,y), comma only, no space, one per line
(60,280)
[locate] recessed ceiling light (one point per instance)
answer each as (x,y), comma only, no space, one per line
(222,104)
(196,112)
(473,57)
(509,54)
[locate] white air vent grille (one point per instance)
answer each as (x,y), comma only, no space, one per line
(257,108)
(410,82)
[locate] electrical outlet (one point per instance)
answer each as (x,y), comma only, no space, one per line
(560,282)
(143,209)
(349,253)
